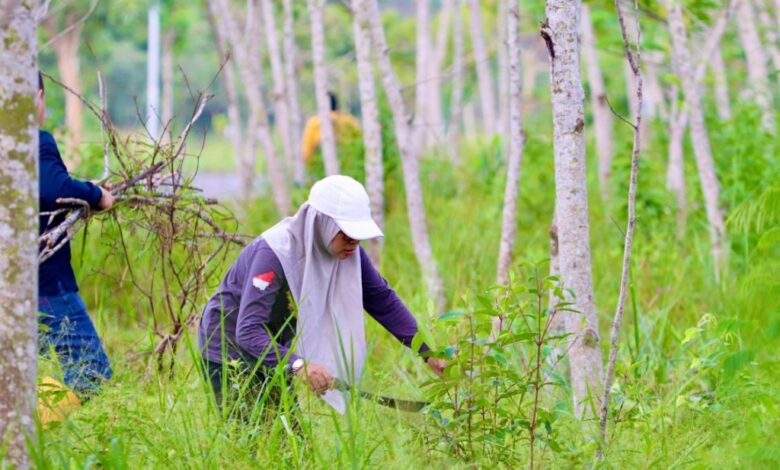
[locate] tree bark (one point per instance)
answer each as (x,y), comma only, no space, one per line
(571,201)
(758,78)
(327,134)
(456,103)
(291,83)
(720,83)
(167,78)
(602,116)
(701,143)
(424,57)
(435,113)
(372,133)
(234,130)
(369,12)
(66,48)
(675,171)
(503,71)
(484,77)
(516,140)
(18,230)
(279,97)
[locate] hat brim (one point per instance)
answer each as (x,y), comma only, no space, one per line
(360,229)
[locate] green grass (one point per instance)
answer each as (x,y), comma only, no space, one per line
(684,397)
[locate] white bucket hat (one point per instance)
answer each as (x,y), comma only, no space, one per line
(345,201)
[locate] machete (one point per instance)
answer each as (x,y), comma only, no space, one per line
(397,403)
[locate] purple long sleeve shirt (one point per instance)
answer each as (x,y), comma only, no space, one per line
(250,315)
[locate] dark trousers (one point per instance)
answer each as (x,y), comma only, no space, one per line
(248,391)
(67,329)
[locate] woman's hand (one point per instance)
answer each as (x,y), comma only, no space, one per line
(106,200)
(436,365)
(319,379)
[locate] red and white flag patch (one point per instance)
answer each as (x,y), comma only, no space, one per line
(261,281)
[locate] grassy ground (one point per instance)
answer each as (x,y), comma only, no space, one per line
(697,371)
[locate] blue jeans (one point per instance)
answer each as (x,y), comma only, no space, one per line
(67,329)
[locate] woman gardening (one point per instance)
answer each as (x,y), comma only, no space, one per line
(316,257)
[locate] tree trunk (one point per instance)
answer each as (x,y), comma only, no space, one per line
(291,83)
(456,103)
(758,78)
(720,83)
(701,143)
(602,116)
(369,12)
(484,77)
(435,113)
(777,13)
(571,201)
(19,231)
(516,140)
(372,133)
(421,127)
(153,72)
(249,63)
(234,130)
(167,79)
(279,97)
(653,98)
(503,72)
(770,33)
(327,134)
(675,171)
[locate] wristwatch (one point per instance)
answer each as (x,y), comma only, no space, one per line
(296,365)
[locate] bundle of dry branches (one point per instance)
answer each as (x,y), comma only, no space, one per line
(181,230)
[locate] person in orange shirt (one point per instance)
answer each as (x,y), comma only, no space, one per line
(348,140)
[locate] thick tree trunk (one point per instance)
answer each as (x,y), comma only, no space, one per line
(167,78)
(327,134)
(234,126)
(602,116)
(369,12)
(424,56)
(758,78)
(484,77)
(456,103)
(720,83)
(516,141)
(279,97)
(372,133)
(291,83)
(701,143)
(560,30)
(18,231)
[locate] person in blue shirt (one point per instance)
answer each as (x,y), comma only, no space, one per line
(66,327)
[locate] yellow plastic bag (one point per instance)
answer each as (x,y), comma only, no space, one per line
(55,401)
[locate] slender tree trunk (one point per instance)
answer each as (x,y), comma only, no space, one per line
(777,13)
(372,133)
(516,140)
(484,77)
(291,83)
(424,57)
(701,143)
(720,83)
(770,33)
(19,229)
(66,48)
(675,171)
(653,92)
(530,67)
(456,103)
(249,63)
(153,72)
(503,72)
(234,130)
(279,98)
(369,12)
(327,134)
(435,113)
(602,116)
(758,78)
(167,78)
(571,202)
